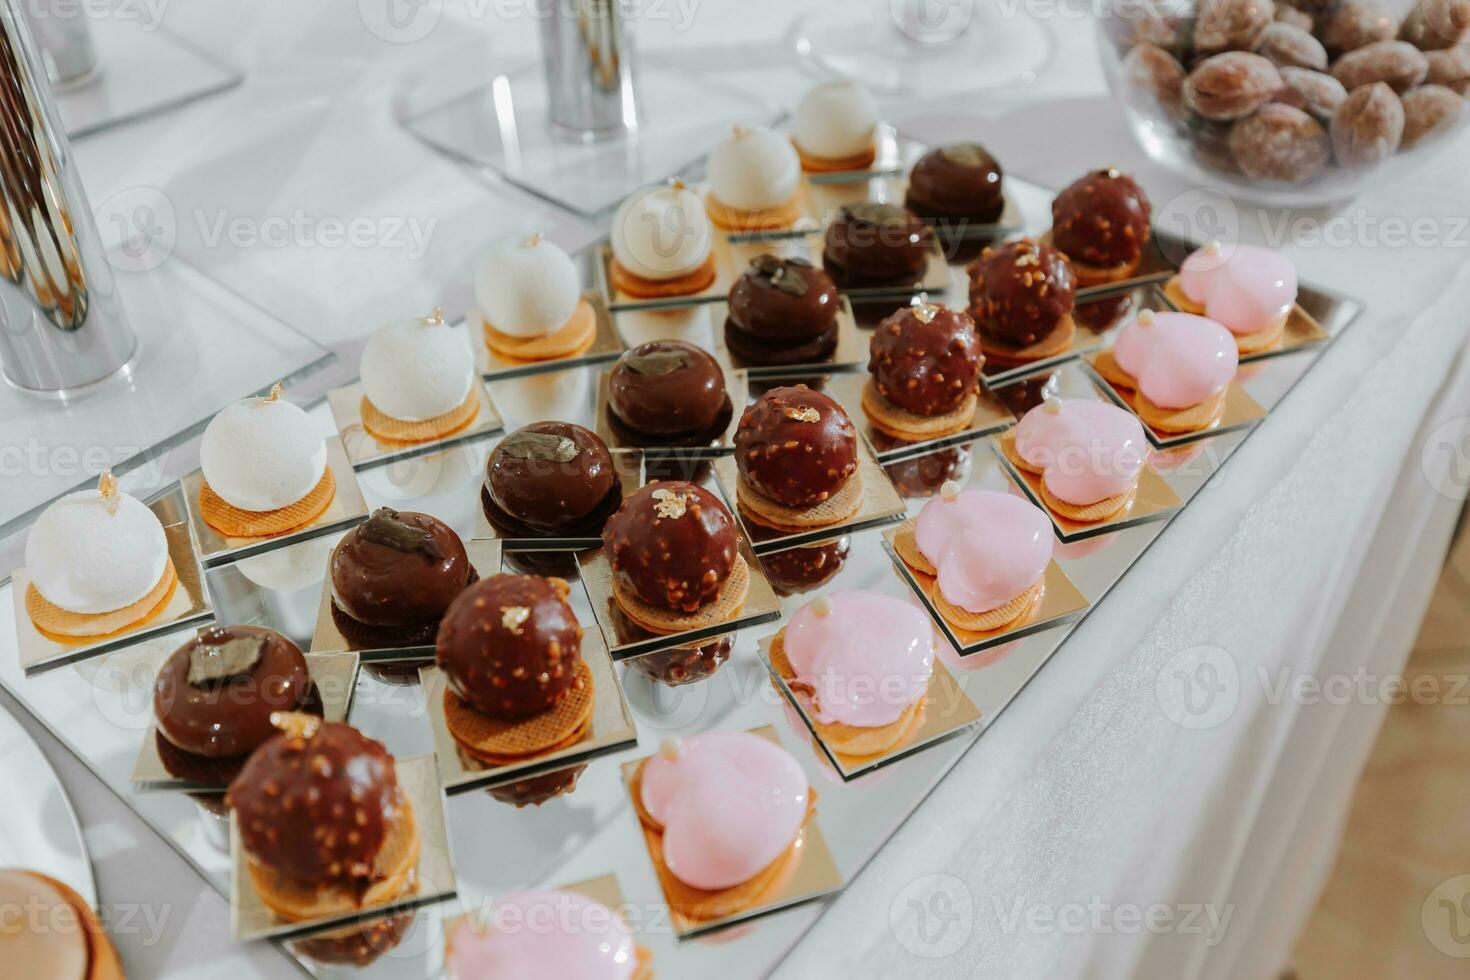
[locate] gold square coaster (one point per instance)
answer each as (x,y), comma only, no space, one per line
(881,504)
(485,557)
(948,711)
(334,675)
(606,346)
(189,604)
(365,449)
(816,875)
(251,919)
(611,729)
(348,507)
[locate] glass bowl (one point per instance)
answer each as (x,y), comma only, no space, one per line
(1293,105)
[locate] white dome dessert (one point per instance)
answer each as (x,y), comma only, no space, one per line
(417,369)
(88,555)
(527,288)
(262,454)
(661,232)
(835,120)
(753,168)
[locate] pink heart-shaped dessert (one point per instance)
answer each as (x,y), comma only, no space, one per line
(1245,288)
(1086,449)
(1176,359)
(987,546)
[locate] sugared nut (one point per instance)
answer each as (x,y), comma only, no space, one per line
(1450,67)
(1368,126)
(1280,143)
(1430,109)
(1398,63)
(1314,7)
(1130,22)
(1356,23)
(1156,74)
(1231,85)
(1294,17)
(1435,25)
(1313,92)
(1291,47)
(1231,25)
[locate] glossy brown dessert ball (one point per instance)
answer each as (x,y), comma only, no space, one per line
(875,244)
(215,695)
(796,446)
(398,569)
(802,569)
(314,805)
(666,388)
(782,311)
(684,665)
(961,181)
(672,545)
(1021,291)
(1101,220)
(926,359)
(509,645)
(550,479)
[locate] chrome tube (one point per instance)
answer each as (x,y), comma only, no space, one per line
(587,54)
(62,325)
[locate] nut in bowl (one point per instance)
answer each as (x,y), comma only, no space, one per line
(1291,105)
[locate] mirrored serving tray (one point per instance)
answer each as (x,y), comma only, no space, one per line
(590,832)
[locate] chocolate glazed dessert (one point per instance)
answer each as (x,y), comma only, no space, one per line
(926,359)
(796,447)
(954,184)
(668,393)
(672,545)
(782,311)
(550,479)
(1021,298)
(214,697)
(393,576)
(1101,220)
(873,244)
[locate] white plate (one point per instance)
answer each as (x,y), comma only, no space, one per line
(43,834)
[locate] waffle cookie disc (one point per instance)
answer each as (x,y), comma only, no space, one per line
(783,215)
(59,624)
(991,619)
(1059,341)
(1178,420)
(835,509)
(891,420)
(725,605)
(232,522)
(836,165)
(1264,339)
(1008,446)
(570,339)
(496,741)
(1175,292)
(686,285)
(385,428)
(699,904)
(907,545)
(395,874)
(1089,513)
(1112,372)
(852,739)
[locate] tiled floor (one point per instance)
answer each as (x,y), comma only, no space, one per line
(1409,829)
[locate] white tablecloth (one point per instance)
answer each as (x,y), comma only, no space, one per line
(1088,802)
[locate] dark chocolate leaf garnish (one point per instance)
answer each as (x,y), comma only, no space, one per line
(544,446)
(657,363)
(765,263)
(235,657)
(386,528)
(789,282)
(966,154)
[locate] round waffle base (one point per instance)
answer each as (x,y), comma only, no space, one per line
(836,165)
(59,624)
(1094,275)
(385,428)
(233,522)
(570,339)
(1059,341)
(495,741)
(991,619)
(906,543)
(729,218)
(847,501)
(1112,372)
(891,420)
(686,285)
(1008,446)
(1195,418)
(1175,293)
(395,873)
(1265,339)
(1089,513)
(851,739)
(725,606)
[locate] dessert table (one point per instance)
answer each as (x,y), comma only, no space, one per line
(1158,801)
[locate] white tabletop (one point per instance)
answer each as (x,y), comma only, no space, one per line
(1087,803)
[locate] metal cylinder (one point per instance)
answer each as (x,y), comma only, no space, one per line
(64,38)
(587,48)
(62,325)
